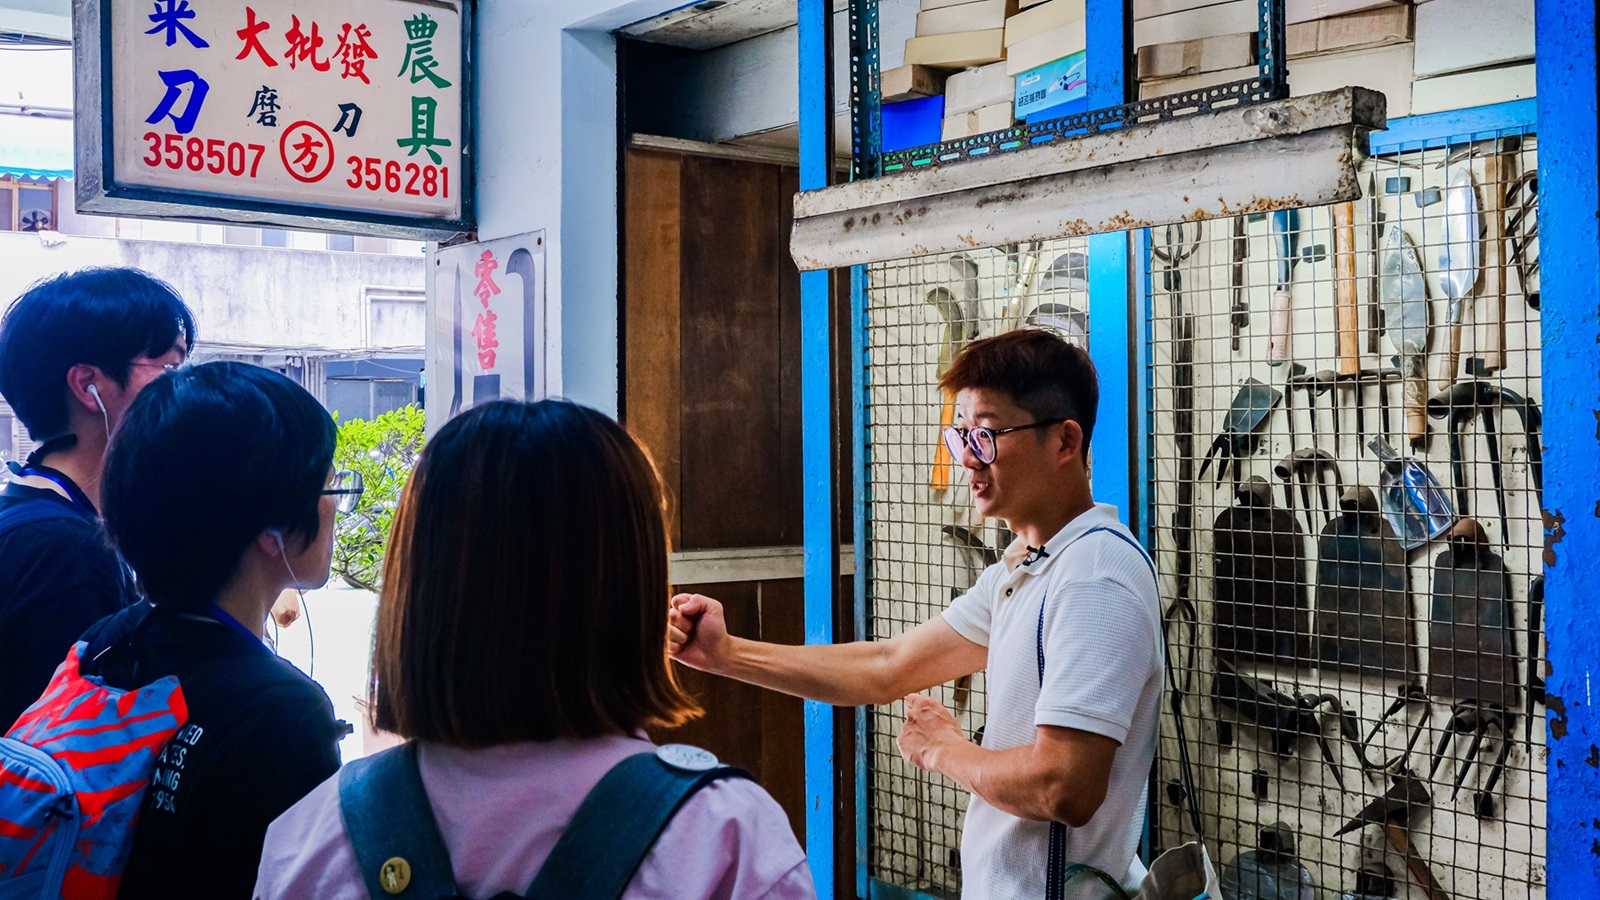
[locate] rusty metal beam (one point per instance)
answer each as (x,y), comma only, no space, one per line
(1297,152)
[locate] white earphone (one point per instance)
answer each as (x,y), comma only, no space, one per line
(95,393)
(305,608)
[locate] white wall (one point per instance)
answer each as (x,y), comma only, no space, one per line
(245,296)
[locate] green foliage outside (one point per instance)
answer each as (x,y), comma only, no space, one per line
(384,450)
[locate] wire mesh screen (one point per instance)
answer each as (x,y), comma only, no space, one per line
(926,546)
(1345,499)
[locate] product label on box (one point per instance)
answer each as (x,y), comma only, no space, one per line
(1052,84)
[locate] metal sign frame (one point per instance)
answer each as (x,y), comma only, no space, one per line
(100,193)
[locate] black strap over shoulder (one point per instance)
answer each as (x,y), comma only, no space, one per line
(401,853)
(1057,872)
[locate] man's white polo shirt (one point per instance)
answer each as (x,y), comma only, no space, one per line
(1103,674)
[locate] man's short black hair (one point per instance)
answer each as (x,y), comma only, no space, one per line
(1044,374)
(206,459)
(105,317)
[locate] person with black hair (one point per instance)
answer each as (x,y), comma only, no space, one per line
(74,352)
(220,493)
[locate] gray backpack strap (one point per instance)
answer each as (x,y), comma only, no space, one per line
(613,831)
(391,826)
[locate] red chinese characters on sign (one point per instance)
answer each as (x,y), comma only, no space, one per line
(305,43)
(483,328)
(250,34)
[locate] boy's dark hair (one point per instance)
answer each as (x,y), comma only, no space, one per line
(104,318)
(1038,369)
(206,459)
(525,588)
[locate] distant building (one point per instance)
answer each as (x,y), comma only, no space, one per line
(343,315)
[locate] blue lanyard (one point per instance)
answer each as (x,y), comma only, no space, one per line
(75,494)
(221,615)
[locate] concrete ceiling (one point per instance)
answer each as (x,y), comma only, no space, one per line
(715,23)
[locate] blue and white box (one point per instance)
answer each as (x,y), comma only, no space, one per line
(1053,84)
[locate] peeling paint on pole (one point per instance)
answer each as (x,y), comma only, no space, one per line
(1569,138)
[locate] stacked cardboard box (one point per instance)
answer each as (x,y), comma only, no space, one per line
(1046,53)
(1186,45)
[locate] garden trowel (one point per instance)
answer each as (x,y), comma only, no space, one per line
(1403,293)
(1458,260)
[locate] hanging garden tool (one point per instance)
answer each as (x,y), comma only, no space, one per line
(1522,233)
(1305,467)
(1416,506)
(1363,609)
(1259,557)
(1477,720)
(1375,220)
(1346,309)
(1317,384)
(960,315)
(1404,294)
(1408,695)
(1499,168)
(1238,438)
(1285,225)
(1284,719)
(1396,812)
(1239,318)
(1269,872)
(1460,403)
(1068,276)
(1172,254)
(1458,261)
(1532,425)
(1471,649)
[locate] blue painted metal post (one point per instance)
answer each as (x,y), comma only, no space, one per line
(817,458)
(1569,203)
(1112,448)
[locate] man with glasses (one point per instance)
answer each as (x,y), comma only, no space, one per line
(74,352)
(1067,628)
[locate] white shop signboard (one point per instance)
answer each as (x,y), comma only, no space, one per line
(349,116)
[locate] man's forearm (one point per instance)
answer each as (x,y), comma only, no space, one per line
(1023,781)
(838,674)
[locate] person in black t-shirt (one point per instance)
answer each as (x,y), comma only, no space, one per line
(220,493)
(74,351)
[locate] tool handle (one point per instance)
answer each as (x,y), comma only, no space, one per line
(1492,349)
(1416,404)
(1398,839)
(1344,257)
(1278,337)
(1450,363)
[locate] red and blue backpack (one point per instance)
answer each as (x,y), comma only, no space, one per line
(73,775)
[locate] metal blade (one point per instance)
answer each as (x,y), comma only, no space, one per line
(1403,292)
(1463,230)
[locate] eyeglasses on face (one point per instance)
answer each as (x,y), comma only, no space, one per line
(980,442)
(347,487)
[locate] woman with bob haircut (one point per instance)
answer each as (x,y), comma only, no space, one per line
(522,650)
(219,492)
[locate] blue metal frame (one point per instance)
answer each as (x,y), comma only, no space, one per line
(200,201)
(1456,126)
(820,541)
(1569,196)
(1140,518)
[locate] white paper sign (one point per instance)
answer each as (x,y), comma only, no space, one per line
(486,324)
(350,107)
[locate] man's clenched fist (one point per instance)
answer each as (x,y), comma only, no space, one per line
(697,634)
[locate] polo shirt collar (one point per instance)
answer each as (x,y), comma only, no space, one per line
(1094,517)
